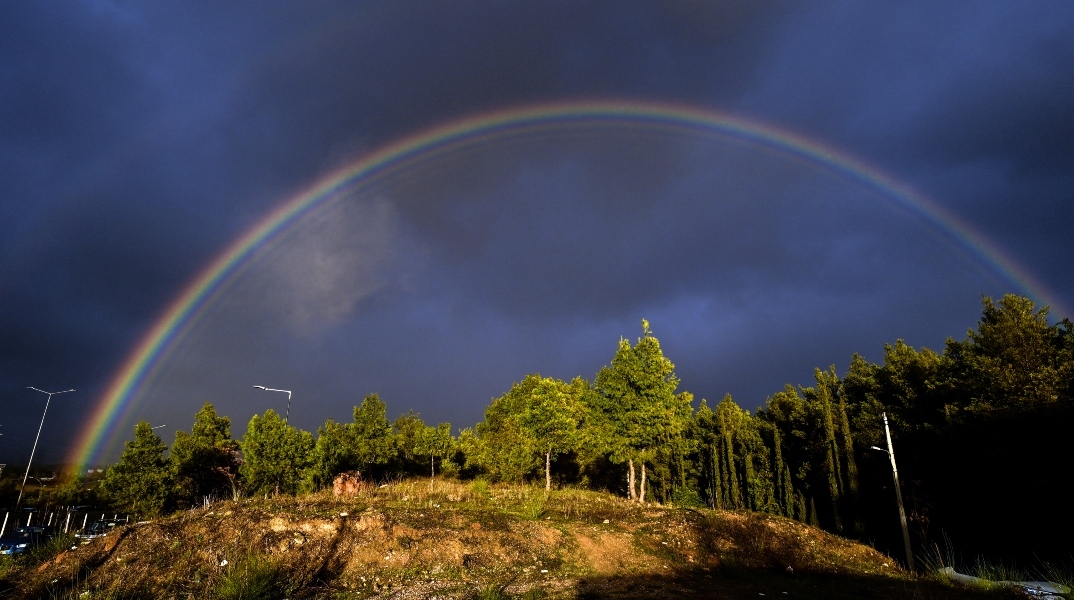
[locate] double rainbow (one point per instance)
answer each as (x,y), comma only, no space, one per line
(139,365)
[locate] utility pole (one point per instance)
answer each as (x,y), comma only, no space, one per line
(898,494)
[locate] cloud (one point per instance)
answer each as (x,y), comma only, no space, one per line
(316,273)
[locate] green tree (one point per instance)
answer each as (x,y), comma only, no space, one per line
(407,431)
(635,407)
(72,491)
(141,481)
(435,442)
(1014,359)
(275,454)
(373,443)
(550,418)
(505,451)
(363,445)
(205,462)
(333,453)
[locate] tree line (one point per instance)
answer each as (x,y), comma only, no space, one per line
(631,430)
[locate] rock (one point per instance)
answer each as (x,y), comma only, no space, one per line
(348,484)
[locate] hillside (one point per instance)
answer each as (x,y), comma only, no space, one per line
(406,541)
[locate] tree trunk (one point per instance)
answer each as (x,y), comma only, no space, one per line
(548,471)
(630,480)
(641,496)
(432,471)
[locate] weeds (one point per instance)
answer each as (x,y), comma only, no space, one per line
(51,547)
(480,486)
(255,577)
(493,591)
(533,508)
(992,572)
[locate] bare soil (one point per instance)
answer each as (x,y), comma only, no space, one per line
(468,541)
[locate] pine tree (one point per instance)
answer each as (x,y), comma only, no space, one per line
(333,453)
(372,434)
(205,462)
(275,454)
(636,406)
(142,480)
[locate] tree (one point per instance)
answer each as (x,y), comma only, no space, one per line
(506,452)
(550,418)
(635,406)
(141,481)
(373,444)
(205,462)
(407,431)
(1015,359)
(435,442)
(333,453)
(363,444)
(275,454)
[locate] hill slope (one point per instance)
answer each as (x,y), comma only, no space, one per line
(407,541)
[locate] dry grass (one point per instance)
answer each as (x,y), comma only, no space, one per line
(462,540)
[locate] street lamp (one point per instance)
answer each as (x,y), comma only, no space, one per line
(287,415)
(50,395)
(898,493)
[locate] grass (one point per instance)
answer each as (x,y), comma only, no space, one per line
(255,577)
(458,540)
(994,572)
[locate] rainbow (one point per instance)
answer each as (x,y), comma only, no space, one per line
(115,402)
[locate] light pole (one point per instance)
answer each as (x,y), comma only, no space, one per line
(287,415)
(50,395)
(898,494)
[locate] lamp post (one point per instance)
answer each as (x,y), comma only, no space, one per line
(287,415)
(24,477)
(898,494)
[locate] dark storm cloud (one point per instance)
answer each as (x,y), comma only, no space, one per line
(136,141)
(362,81)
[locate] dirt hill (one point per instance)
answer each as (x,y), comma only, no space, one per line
(467,541)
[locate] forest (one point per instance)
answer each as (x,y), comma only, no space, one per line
(979,431)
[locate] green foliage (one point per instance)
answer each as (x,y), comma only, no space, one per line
(373,443)
(73,490)
(1014,359)
(333,453)
(504,451)
(550,418)
(407,431)
(275,455)
(435,442)
(634,410)
(798,456)
(205,462)
(142,479)
(256,577)
(362,445)
(736,459)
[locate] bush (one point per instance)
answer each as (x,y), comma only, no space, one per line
(684,497)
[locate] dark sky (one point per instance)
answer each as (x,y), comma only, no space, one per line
(138,140)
